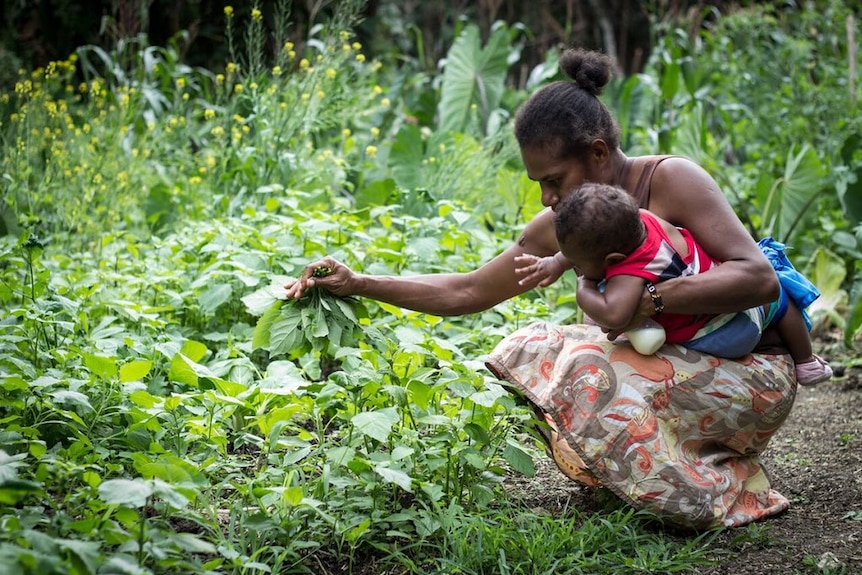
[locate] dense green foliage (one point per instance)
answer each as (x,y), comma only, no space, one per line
(164,411)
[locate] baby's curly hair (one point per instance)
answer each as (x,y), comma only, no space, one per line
(603,218)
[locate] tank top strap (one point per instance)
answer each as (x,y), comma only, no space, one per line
(641,191)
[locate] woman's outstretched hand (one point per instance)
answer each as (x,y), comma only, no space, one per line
(327,273)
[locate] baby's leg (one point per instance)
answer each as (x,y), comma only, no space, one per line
(810,368)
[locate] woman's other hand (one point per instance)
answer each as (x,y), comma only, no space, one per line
(327,273)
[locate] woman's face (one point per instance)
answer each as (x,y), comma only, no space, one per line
(556,176)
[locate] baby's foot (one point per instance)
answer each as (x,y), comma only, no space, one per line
(813,372)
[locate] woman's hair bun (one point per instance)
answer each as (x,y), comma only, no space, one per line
(590,70)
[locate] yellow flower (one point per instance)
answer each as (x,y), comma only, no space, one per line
(376,90)
(194,180)
(357,46)
(360,58)
(375,132)
(217,131)
(238,119)
(385,101)
(276,71)
(228,11)
(344,35)
(321,94)
(291,54)
(181,83)
(209,114)
(288,46)
(346,132)
(253,85)
(304,64)
(186,97)
(306,97)
(237,88)
(219,78)
(371,151)
(231,67)
(330,73)
(256,14)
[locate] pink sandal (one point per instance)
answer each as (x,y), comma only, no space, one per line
(813,372)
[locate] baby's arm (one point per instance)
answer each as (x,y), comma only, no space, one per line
(614,307)
(541,272)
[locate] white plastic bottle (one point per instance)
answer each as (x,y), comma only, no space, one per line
(648,338)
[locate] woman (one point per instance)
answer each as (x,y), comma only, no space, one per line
(678,432)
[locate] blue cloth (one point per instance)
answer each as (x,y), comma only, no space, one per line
(735,338)
(799,289)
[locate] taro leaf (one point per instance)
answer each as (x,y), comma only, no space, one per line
(473,75)
(854,314)
(851,194)
(827,271)
(405,157)
(791,196)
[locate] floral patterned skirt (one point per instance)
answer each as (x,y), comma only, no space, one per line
(678,432)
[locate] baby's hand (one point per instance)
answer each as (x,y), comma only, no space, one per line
(537,271)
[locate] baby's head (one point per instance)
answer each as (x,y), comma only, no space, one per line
(596,222)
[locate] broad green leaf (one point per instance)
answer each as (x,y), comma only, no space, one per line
(214,296)
(285,334)
(170,494)
(827,271)
(854,314)
(103,367)
(261,335)
(181,371)
(790,197)
(14,490)
(376,424)
(292,495)
(263,299)
(519,459)
(490,395)
(66,396)
(341,455)
(194,350)
(395,476)
(193,544)
(473,76)
(405,157)
(129,492)
(135,370)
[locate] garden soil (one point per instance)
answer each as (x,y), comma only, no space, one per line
(815,460)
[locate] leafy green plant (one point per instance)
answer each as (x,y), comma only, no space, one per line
(320,322)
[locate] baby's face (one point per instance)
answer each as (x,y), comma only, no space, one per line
(591,266)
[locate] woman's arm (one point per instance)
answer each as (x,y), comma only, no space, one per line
(614,307)
(685,195)
(438,294)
